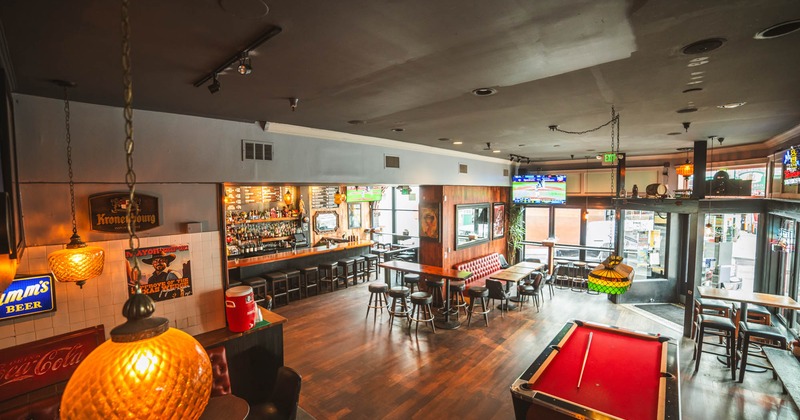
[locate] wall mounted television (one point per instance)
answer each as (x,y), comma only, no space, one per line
(539,189)
(357,194)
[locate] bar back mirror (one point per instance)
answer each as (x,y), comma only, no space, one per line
(472,224)
(326,221)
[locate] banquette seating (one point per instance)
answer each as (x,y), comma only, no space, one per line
(481,268)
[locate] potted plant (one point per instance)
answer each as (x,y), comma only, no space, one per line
(516,231)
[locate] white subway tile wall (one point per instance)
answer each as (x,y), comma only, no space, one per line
(101,299)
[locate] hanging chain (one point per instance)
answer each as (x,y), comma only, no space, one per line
(130,176)
(69,163)
(555,127)
(614,151)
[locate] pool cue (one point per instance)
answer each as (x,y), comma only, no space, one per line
(585,356)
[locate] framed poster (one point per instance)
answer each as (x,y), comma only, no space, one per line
(429,226)
(165,271)
(499,220)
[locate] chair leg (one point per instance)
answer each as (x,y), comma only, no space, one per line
(745,347)
(698,349)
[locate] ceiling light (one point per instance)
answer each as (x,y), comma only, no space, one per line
(144,355)
(686,110)
(293,103)
(458,142)
(694,82)
(398,129)
(244,64)
(731,105)
(703,46)
(484,91)
(697,63)
(444,139)
(77,262)
(495,151)
(780,29)
(696,77)
(694,89)
(697,73)
(674,133)
(356,122)
(214,86)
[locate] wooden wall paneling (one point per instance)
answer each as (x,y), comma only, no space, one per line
(469,195)
(431,252)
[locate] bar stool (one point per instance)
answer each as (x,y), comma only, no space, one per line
(279,286)
(310,276)
(293,283)
(400,294)
(411,280)
(721,327)
(475,293)
(434,287)
(234,283)
(347,271)
(576,276)
(711,307)
(771,337)
(372,265)
(562,276)
(259,285)
(329,273)
(421,302)
(359,269)
(756,314)
(377,298)
(457,301)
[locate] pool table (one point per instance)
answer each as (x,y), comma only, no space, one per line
(624,374)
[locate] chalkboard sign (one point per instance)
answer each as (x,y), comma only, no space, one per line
(322,197)
(237,195)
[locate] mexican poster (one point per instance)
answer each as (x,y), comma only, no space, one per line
(165,271)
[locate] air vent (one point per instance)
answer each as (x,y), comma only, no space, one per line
(462,168)
(255,150)
(505,172)
(392,161)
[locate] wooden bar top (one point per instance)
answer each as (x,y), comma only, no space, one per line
(763,299)
(212,338)
(431,270)
(300,253)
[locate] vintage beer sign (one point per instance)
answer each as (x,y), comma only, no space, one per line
(109,212)
(31,366)
(28,296)
(791,169)
(165,271)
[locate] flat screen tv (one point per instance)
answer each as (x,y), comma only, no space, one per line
(539,189)
(357,194)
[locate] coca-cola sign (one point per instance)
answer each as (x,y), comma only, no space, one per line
(31,366)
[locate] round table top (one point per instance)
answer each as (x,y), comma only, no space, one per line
(579,263)
(226,407)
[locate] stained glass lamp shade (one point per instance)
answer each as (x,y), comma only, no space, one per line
(611,277)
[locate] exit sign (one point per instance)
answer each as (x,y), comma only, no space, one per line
(609,159)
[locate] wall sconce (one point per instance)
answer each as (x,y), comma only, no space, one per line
(287,197)
(78,262)
(146,369)
(339,198)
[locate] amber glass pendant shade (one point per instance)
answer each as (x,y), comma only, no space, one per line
(164,377)
(687,169)
(287,198)
(77,262)
(8,269)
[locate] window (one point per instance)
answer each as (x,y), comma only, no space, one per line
(397,217)
(599,234)
(729,250)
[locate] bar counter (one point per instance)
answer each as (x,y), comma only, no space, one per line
(300,253)
(304,257)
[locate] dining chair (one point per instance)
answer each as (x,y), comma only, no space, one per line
(497,292)
(282,403)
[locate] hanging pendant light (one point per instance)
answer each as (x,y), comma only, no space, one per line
(78,262)
(611,276)
(147,370)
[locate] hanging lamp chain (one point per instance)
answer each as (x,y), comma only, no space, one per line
(613,150)
(130,176)
(69,162)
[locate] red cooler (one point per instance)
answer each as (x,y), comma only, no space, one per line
(240,308)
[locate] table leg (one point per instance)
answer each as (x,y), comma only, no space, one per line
(387,276)
(447,323)
(507,306)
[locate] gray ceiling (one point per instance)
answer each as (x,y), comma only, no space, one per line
(412,64)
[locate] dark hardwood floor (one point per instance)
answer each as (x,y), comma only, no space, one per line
(355,368)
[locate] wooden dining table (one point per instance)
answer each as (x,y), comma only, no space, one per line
(510,276)
(445,322)
(744,298)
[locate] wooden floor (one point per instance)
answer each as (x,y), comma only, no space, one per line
(355,368)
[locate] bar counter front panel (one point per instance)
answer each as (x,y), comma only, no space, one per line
(303,257)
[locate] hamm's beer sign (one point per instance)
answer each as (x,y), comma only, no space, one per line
(27,296)
(109,212)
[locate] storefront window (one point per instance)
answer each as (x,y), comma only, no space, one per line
(567,228)
(599,233)
(397,217)
(645,243)
(782,254)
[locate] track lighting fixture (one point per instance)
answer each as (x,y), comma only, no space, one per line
(517,158)
(214,86)
(244,64)
(242,57)
(293,103)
